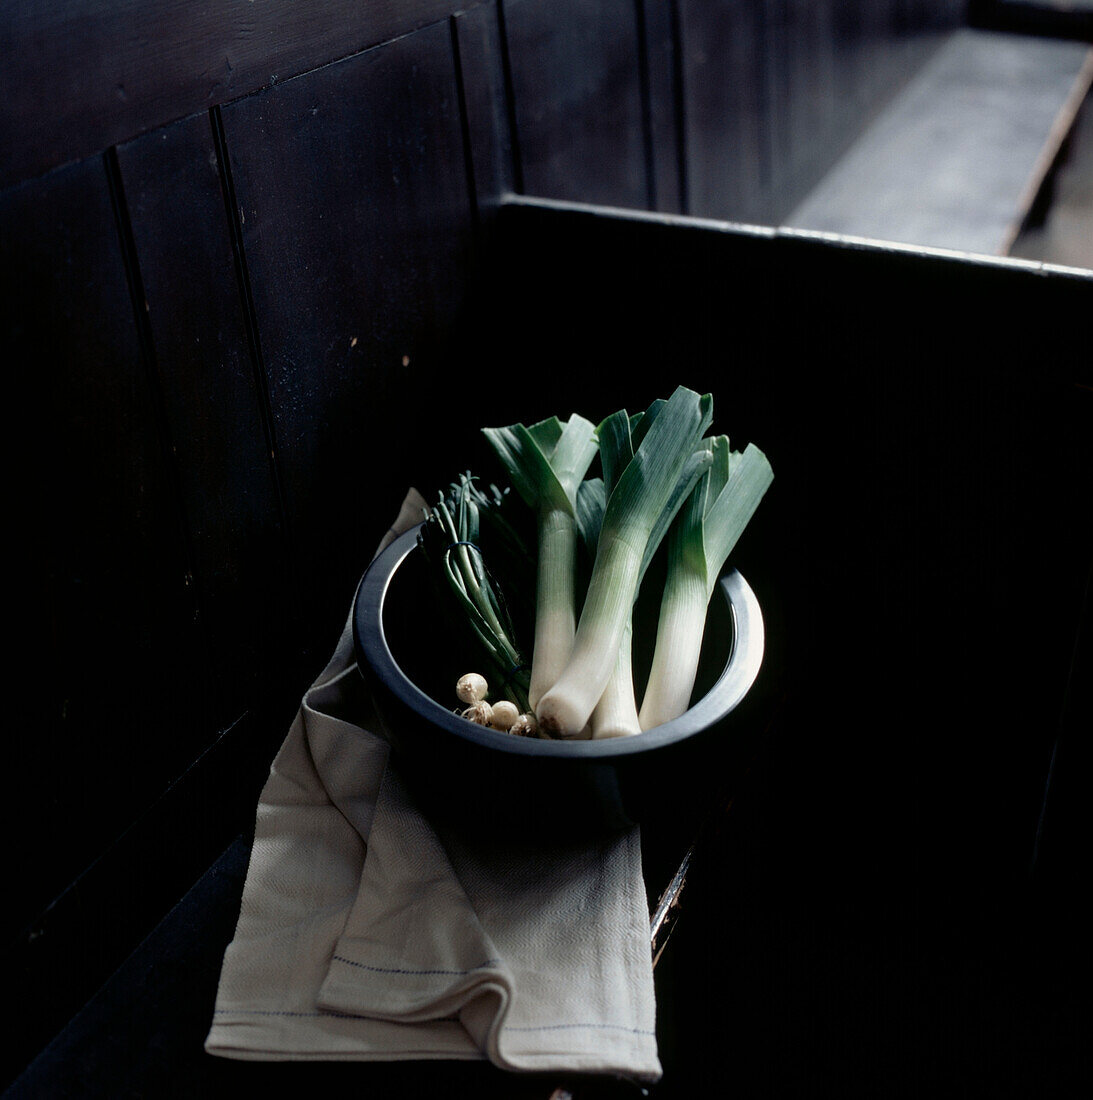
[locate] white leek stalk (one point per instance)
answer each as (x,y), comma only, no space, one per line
(701,539)
(616,712)
(649,485)
(546,463)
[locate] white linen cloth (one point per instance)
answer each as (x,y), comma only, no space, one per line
(366,934)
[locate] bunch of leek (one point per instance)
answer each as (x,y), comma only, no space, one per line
(616,712)
(660,473)
(646,485)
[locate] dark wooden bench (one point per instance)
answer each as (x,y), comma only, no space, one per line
(958,158)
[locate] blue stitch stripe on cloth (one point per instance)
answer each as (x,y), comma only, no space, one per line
(286,1012)
(282,1012)
(397,970)
(608,1027)
(351,1016)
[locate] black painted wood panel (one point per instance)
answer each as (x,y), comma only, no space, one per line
(287,371)
(76,944)
(81,75)
(727,111)
(214,402)
(924,551)
(576,88)
(863,44)
(662,59)
(802,58)
(1066,19)
(773,93)
(483,80)
(352,188)
(916,29)
(116,699)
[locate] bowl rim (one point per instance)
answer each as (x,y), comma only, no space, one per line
(372,651)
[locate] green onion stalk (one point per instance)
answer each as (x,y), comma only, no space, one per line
(451,540)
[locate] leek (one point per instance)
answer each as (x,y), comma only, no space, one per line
(702,537)
(655,481)
(616,712)
(546,463)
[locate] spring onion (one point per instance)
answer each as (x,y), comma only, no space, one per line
(525,726)
(505,713)
(481,713)
(701,539)
(546,463)
(451,541)
(649,485)
(471,687)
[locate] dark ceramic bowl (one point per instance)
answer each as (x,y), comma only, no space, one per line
(481,778)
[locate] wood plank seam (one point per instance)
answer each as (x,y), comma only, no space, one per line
(250,319)
(190,581)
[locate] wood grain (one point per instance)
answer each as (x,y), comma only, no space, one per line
(353,198)
(113,664)
(82,75)
(483,81)
(214,401)
(577,101)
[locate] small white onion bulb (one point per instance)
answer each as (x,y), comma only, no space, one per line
(504,714)
(471,688)
(480,712)
(525,726)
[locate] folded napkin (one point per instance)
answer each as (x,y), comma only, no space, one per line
(366,933)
